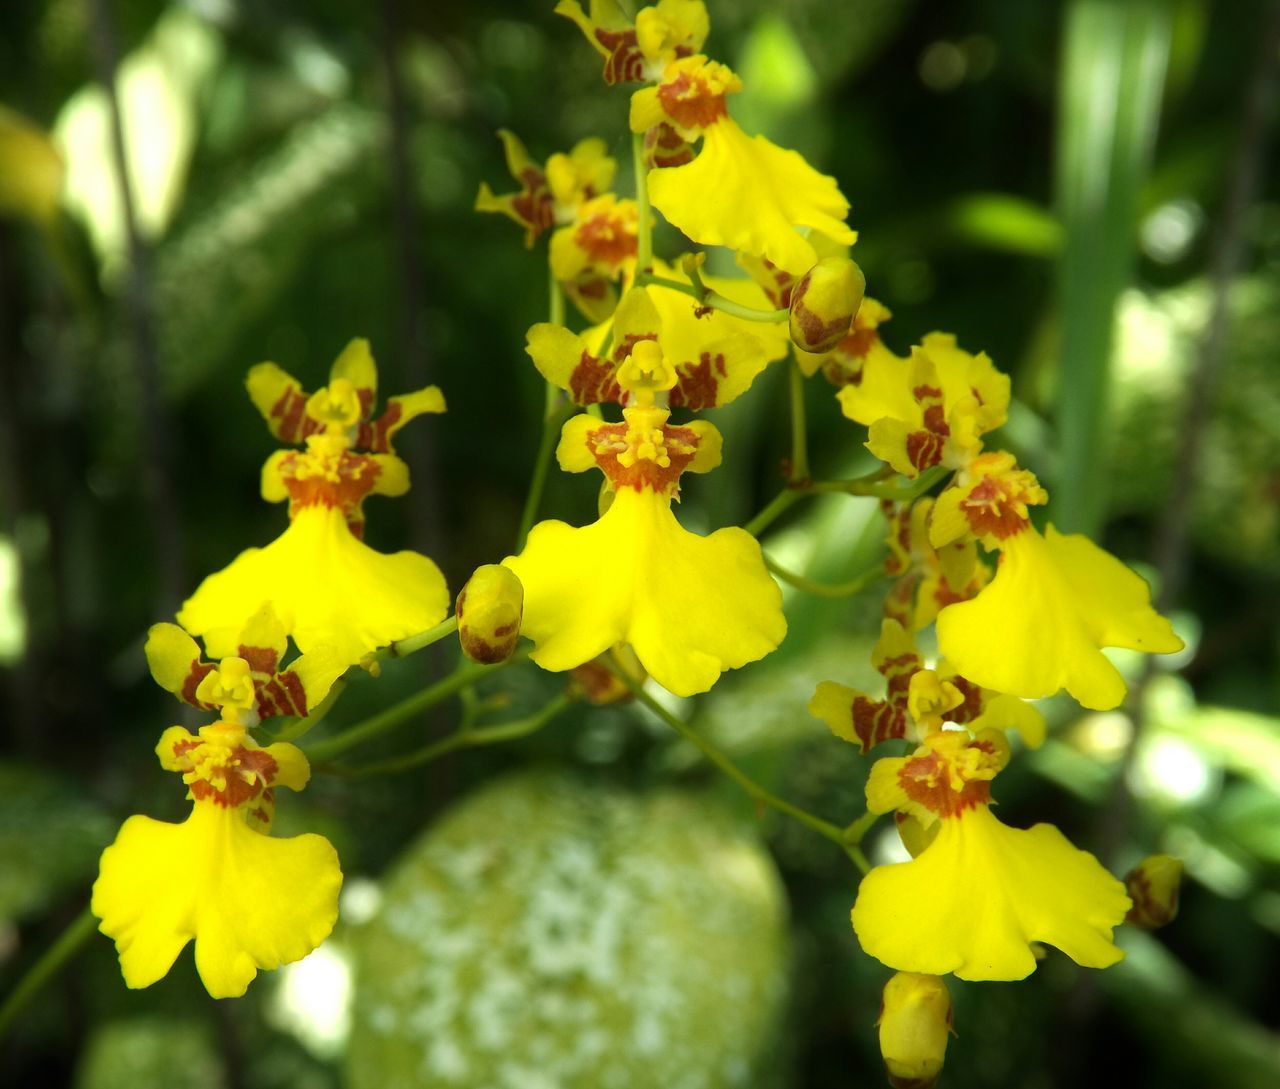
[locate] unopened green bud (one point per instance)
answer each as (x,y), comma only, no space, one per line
(1154,885)
(915,1021)
(824,302)
(489,610)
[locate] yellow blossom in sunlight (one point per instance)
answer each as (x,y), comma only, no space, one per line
(917,700)
(327,587)
(690,606)
(740,191)
(713,360)
(593,252)
(550,194)
(932,409)
(266,688)
(640,50)
(1054,603)
(249,900)
(976,898)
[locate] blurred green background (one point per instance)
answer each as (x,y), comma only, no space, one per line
(1049,181)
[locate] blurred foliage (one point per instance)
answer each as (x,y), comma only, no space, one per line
(274,228)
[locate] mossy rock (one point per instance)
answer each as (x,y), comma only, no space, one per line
(549,932)
(151,1051)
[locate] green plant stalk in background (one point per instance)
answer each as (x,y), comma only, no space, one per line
(1114,58)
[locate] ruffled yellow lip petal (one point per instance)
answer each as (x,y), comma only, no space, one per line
(978,896)
(1041,623)
(762,193)
(328,588)
(250,901)
(690,606)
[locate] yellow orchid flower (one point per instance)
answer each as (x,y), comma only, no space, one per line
(740,191)
(1054,603)
(917,700)
(178,666)
(975,898)
(593,252)
(326,586)
(714,359)
(690,606)
(929,410)
(640,50)
(550,194)
(249,900)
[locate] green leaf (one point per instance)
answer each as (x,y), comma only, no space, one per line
(50,838)
(1115,55)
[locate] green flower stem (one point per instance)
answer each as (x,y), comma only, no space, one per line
(644,225)
(557,412)
(858,858)
(824,828)
(51,962)
(779,505)
(857,830)
(411,643)
(875,486)
(464,738)
(464,676)
(799,474)
(554,412)
(706,297)
(825,589)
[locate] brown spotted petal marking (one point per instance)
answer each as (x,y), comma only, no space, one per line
(862,719)
(628,56)
(665,147)
(250,681)
(948,775)
(225,767)
(619,451)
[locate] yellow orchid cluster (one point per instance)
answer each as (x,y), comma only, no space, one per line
(248,899)
(977,897)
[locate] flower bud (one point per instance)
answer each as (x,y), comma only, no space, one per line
(915,1020)
(597,681)
(824,302)
(489,609)
(1153,885)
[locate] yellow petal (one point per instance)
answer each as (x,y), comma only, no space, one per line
(1010,713)
(978,896)
(556,352)
(355,364)
(749,194)
(1039,625)
(964,375)
(376,435)
(716,356)
(690,606)
(280,398)
(328,588)
(883,392)
(172,656)
(250,901)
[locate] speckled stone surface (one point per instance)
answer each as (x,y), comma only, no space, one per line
(549,933)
